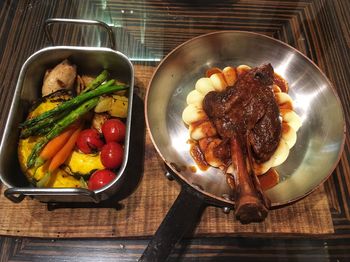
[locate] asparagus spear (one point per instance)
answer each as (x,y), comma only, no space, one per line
(97,81)
(59,127)
(41,127)
(101,90)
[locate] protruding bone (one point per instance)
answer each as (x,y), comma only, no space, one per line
(251,205)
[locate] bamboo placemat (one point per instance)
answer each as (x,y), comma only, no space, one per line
(145,208)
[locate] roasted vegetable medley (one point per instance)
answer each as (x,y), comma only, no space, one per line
(74,135)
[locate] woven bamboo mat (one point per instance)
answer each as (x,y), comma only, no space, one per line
(143,210)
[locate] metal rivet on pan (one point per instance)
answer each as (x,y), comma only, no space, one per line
(226,210)
(169,176)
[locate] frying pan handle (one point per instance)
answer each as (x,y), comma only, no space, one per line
(180,219)
(108,29)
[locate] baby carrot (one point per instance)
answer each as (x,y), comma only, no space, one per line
(64,152)
(55,144)
(53,147)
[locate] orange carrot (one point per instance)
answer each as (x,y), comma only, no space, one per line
(63,154)
(55,144)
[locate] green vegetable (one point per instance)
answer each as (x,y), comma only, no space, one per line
(59,127)
(44,130)
(44,180)
(97,81)
(68,105)
(41,127)
(92,98)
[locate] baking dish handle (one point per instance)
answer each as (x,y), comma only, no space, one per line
(108,29)
(16,195)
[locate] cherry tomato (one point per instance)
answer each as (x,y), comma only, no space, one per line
(89,141)
(112,155)
(100,178)
(113,130)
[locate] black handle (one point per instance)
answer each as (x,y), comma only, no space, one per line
(182,216)
(109,30)
(15,197)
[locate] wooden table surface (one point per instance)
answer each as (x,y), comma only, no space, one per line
(146,31)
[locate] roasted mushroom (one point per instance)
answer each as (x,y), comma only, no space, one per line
(62,76)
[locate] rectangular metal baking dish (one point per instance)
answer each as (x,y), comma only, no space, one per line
(89,60)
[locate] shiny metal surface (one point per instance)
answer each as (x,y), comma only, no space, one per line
(320,139)
(89,60)
(51,21)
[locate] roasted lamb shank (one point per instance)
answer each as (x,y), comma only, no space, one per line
(246,117)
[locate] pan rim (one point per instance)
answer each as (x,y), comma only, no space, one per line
(219,200)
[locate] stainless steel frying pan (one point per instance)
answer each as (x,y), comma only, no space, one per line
(316,153)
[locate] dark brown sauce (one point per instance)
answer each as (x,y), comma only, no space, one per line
(283,85)
(269,179)
(212,71)
(285,128)
(276,89)
(198,123)
(286,105)
(205,126)
(177,167)
(192,169)
(198,155)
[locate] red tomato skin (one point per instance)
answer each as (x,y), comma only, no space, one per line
(100,178)
(112,155)
(89,141)
(114,130)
